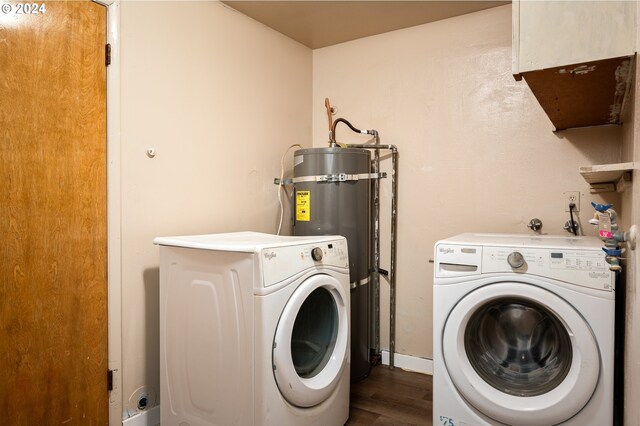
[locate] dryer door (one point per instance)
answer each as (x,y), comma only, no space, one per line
(520,354)
(312,341)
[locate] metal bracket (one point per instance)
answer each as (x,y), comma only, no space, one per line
(363,281)
(337,177)
(276,181)
(383,272)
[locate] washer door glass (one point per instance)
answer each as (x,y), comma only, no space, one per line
(518,346)
(520,354)
(311,344)
(315,332)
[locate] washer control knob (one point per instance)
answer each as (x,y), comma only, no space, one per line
(515,260)
(316,254)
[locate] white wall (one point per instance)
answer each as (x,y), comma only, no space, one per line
(477,153)
(220,97)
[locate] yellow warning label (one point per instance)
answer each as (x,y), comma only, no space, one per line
(303,206)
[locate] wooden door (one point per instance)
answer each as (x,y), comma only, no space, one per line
(53,284)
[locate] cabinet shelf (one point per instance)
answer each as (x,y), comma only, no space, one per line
(577,58)
(608,177)
(586,94)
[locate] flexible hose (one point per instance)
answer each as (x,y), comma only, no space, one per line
(573,224)
(282,184)
(342,120)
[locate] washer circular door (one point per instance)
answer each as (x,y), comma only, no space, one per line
(520,354)
(312,341)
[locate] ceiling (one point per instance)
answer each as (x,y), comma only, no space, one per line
(319,24)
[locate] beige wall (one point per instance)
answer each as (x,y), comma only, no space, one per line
(219,97)
(477,153)
(631,215)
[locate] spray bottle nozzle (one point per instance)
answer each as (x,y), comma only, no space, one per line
(612,252)
(601,207)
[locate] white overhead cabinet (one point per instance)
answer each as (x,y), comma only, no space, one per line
(577,57)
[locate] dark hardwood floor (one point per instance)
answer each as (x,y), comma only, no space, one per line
(391,397)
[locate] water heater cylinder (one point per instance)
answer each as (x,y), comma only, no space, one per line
(330,200)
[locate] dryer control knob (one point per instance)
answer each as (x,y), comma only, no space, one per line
(515,260)
(316,253)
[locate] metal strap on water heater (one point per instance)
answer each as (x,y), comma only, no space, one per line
(339,177)
(363,281)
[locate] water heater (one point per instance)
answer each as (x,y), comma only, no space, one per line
(332,196)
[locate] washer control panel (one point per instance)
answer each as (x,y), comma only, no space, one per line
(577,261)
(280,263)
(586,268)
(582,267)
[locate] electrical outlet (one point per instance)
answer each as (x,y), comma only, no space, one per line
(572,197)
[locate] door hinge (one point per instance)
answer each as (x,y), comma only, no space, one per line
(107,54)
(110,380)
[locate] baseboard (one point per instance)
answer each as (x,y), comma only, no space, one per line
(150,417)
(408,362)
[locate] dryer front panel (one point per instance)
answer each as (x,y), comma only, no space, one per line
(311,343)
(520,354)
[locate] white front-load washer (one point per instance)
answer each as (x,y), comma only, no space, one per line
(254,330)
(523,331)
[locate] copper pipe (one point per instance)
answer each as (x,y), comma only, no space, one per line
(327,105)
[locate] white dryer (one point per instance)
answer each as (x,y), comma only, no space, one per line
(523,331)
(254,330)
